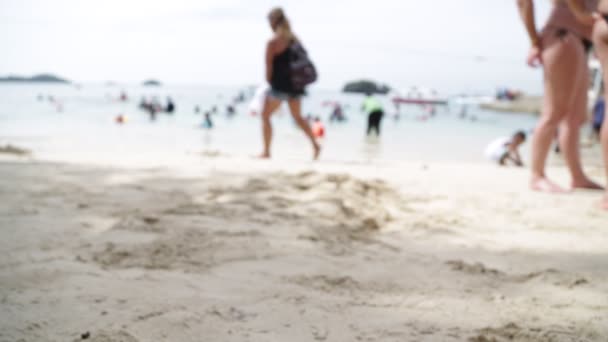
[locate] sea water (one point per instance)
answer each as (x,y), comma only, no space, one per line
(84,127)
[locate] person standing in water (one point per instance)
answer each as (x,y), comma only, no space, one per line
(279,77)
(561,49)
(375,112)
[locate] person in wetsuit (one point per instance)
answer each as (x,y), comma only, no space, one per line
(560,48)
(279,77)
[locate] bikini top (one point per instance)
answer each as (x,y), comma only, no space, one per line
(562,17)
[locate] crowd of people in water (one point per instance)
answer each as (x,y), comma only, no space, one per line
(561,48)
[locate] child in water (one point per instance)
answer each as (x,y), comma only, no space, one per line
(503,150)
(318,130)
(207,123)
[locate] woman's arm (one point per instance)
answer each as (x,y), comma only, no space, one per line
(269,57)
(581,13)
(526,11)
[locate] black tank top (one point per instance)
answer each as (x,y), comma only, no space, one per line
(281,75)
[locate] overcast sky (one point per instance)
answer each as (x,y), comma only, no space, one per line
(452,45)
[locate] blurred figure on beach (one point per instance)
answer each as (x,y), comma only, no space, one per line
(561,49)
(123,96)
(207,122)
(318,129)
(170,108)
(256,106)
(230,110)
(599,111)
(337,114)
(279,74)
(506,150)
(373,107)
(600,41)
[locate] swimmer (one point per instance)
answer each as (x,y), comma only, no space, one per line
(120,119)
(318,130)
(207,123)
(170,106)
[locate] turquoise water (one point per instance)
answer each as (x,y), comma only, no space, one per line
(85,128)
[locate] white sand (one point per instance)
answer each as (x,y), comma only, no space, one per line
(245,250)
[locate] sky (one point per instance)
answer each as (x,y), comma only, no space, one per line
(450,45)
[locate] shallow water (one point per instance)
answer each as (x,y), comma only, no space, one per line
(85,129)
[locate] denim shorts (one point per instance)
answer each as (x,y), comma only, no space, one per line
(283,96)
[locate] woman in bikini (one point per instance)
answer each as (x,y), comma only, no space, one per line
(279,78)
(561,49)
(599,20)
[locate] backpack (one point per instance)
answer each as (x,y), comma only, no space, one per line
(302,71)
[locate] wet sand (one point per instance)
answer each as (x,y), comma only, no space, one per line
(234,249)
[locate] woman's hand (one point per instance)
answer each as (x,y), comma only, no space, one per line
(535,58)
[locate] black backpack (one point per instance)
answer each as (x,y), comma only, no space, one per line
(302,71)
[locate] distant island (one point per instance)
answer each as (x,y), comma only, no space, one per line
(152,83)
(42,78)
(365,86)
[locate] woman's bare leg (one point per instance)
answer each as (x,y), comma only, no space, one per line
(295,107)
(600,41)
(605,150)
(270,105)
(560,58)
(570,128)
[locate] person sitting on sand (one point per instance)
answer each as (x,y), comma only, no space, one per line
(503,150)
(278,75)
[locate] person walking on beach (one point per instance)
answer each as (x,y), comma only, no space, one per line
(279,75)
(561,49)
(375,112)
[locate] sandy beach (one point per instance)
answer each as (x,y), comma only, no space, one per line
(235,249)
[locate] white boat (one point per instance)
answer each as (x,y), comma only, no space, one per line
(418,96)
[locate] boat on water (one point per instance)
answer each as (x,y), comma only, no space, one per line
(419,96)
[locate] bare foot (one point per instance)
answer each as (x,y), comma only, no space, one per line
(317,151)
(264,156)
(545,185)
(604,203)
(586,184)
